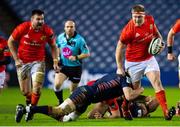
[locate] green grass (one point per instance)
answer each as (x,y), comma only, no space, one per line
(10,97)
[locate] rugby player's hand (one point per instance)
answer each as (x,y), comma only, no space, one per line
(120,71)
(56,68)
(18,63)
(171,57)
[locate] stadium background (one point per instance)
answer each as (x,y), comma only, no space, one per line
(100,22)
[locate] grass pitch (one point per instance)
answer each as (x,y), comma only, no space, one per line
(10,97)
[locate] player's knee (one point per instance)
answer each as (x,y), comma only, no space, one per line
(38,77)
(67,106)
(57,86)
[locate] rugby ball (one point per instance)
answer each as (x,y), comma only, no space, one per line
(155,47)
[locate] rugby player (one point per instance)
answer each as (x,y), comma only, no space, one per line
(32,36)
(136,37)
(142,106)
(4,60)
(107,87)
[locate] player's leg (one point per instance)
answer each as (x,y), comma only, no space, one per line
(24,79)
(59,79)
(75,77)
(80,99)
(80,109)
(38,73)
(153,74)
(73,86)
(55,112)
(135,71)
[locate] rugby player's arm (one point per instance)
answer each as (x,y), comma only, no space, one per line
(54,52)
(12,48)
(131,94)
(170,42)
(158,33)
(119,57)
(170,38)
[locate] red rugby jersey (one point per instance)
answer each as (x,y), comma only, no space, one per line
(32,42)
(137,39)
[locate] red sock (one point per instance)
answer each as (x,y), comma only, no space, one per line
(161,97)
(28,98)
(35,98)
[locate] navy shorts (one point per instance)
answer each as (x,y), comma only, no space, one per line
(73,73)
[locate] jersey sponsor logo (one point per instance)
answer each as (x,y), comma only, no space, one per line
(43,38)
(137,35)
(66,52)
(26,36)
(33,43)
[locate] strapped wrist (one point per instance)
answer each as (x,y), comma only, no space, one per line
(170,49)
(55,61)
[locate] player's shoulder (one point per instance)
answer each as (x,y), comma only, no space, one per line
(177,21)
(129,27)
(61,35)
(24,25)
(80,38)
(47,29)
(149,18)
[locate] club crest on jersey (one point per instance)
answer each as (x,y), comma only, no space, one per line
(151,26)
(43,38)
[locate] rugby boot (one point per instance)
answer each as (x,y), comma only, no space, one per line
(20,111)
(29,113)
(170,114)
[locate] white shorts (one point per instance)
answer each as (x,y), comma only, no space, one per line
(137,70)
(29,70)
(2,79)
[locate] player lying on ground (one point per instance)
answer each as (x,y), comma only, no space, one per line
(142,106)
(107,87)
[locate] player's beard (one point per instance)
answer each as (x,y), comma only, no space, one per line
(39,25)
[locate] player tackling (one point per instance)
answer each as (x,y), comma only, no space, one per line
(136,37)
